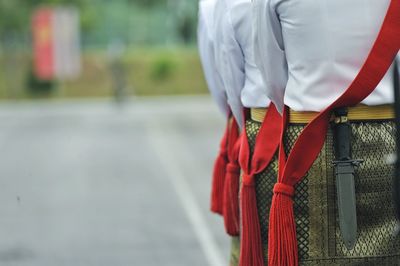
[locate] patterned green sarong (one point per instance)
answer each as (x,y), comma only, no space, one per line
(317,225)
(235,250)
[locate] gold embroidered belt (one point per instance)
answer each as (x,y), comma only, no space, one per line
(358,113)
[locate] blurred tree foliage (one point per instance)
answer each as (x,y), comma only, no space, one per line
(15,15)
(133,21)
(147,3)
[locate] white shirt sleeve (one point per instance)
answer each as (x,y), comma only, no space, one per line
(269,50)
(206,51)
(233,72)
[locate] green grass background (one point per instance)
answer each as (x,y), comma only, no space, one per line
(147,71)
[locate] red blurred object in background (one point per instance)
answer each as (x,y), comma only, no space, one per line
(56,43)
(43,45)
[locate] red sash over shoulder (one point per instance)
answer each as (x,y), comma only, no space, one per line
(282,243)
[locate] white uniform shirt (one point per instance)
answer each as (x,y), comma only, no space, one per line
(309,51)
(242,79)
(205,37)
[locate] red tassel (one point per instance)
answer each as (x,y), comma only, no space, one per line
(218,183)
(251,250)
(282,241)
(231,199)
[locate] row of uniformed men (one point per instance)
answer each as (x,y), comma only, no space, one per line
(265,58)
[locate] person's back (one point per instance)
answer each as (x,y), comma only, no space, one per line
(206,43)
(242,78)
(324,44)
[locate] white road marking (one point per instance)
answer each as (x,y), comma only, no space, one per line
(163,146)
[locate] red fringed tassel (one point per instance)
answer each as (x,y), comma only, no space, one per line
(231,199)
(251,250)
(282,241)
(218,183)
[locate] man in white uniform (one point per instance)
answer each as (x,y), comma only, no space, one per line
(244,87)
(206,45)
(226,169)
(309,52)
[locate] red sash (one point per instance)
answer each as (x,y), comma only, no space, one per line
(219,172)
(267,142)
(282,243)
(225,181)
(231,189)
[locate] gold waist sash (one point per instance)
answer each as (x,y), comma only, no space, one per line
(358,113)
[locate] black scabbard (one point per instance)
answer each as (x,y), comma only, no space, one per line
(344,171)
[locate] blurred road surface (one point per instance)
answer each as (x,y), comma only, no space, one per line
(91,183)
